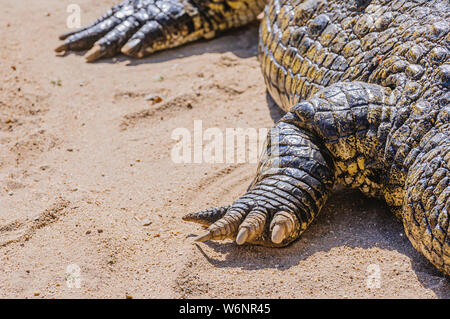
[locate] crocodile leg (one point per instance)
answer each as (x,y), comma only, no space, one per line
(140,27)
(315,145)
(293,182)
(427,196)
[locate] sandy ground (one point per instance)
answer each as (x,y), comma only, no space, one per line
(86,179)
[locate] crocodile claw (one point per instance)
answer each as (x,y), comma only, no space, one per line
(242,236)
(278,234)
(283,224)
(95,53)
(204,237)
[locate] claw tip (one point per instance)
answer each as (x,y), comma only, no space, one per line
(187,218)
(66,35)
(95,53)
(126,49)
(278,234)
(204,237)
(131,48)
(242,236)
(61,48)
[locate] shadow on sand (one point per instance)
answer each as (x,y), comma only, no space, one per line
(348,219)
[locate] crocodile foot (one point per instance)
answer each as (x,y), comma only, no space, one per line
(135,28)
(292,184)
(140,27)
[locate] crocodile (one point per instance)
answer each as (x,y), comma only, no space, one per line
(364,84)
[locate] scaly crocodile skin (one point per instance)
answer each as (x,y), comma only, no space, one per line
(365,86)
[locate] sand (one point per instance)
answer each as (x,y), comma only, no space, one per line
(91,202)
